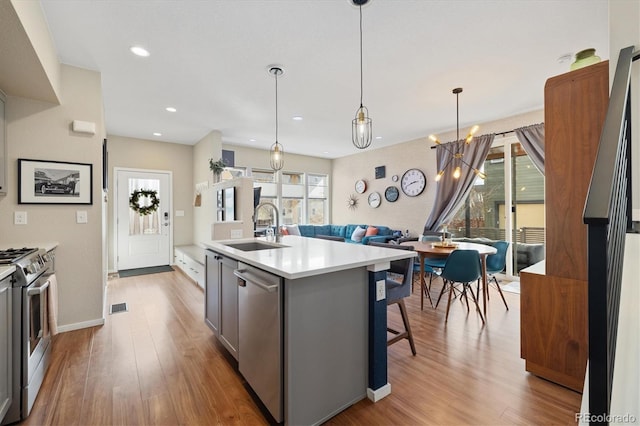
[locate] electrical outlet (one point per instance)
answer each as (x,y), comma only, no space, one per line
(380,290)
(20,218)
(81,216)
(236,233)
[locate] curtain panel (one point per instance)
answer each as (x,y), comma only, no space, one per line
(532,140)
(451,193)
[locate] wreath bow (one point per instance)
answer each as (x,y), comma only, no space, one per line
(134,201)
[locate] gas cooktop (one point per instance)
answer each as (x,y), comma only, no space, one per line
(12,255)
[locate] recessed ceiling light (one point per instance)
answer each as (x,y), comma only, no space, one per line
(140,51)
(378,137)
(157,134)
(252,140)
(171,109)
(297,118)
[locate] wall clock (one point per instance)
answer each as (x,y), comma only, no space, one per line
(391,193)
(352,202)
(413,182)
(361,186)
(394,178)
(374,199)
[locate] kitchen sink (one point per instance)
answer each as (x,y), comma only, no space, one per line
(254,245)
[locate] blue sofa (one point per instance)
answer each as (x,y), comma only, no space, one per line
(384,232)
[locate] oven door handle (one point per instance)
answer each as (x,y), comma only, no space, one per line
(37,290)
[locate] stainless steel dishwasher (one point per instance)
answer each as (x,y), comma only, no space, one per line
(260,335)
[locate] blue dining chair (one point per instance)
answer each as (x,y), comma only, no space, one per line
(396,291)
(496,264)
(464,267)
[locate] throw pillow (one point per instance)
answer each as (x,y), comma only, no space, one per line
(372,230)
(358,233)
(293,229)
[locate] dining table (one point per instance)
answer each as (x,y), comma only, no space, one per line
(438,250)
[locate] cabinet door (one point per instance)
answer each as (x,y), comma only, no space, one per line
(212,291)
(5,347)
(229,305)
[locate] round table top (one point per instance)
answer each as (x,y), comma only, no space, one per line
(430,247)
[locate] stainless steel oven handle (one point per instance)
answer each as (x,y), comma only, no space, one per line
(37,290)
(245,275)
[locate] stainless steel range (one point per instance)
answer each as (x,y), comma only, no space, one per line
(31,339)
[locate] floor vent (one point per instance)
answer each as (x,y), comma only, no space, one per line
(118,307)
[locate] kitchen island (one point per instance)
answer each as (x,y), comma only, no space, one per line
(330,332)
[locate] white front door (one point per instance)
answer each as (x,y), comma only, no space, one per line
(143,236)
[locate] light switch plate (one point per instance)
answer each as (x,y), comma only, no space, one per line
(20,218)
(380,290)
(81,216)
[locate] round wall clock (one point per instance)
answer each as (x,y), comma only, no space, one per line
(394,178)
(391,194)
(374,199)
(361,186)
(413,182)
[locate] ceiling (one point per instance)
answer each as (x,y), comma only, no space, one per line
(210,59)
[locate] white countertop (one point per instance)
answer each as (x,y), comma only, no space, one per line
(305,257)
(6,270)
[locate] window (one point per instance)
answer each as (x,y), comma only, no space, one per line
(317,205)
(300,197)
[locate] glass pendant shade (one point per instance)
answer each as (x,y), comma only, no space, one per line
(361,129)
(276,156)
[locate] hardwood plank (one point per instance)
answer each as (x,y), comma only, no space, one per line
(159,364)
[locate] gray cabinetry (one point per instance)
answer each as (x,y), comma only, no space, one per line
(6,369)
(221,301)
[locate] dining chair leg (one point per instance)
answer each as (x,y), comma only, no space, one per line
(464,293)
(425,291)
(500,291)
(444,286)
(475,300)
(446,315)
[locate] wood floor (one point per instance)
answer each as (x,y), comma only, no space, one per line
(159,364)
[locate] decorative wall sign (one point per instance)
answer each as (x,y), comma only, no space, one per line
(54,182)
(380,172)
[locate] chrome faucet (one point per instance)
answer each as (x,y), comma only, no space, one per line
(255,217)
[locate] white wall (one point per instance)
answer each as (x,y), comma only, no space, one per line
(208,147)
(407,212)
(41,131)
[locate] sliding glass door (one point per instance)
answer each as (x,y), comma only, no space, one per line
(507,205)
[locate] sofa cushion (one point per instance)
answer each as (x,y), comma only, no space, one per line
(358,233)
(350,228)
(307,230)
(322,229)
(337,230)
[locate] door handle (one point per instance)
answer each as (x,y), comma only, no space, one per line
(245,276)
(37,290)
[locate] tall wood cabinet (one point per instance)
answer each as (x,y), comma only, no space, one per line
(554,295)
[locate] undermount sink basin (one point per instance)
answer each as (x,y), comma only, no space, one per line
(254,245)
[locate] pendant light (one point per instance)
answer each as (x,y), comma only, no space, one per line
(276,153)
(457,156)
(361,129)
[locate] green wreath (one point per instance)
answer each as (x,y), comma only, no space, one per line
(144,210)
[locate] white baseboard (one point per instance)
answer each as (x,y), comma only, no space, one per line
(378,394)
(80,325)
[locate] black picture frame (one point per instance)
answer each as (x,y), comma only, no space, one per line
(54,182)
(105,166)
(381,172)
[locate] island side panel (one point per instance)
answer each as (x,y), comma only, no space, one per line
(325,358)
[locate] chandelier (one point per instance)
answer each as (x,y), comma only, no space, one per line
(456,157)
(276,153)
(361,129)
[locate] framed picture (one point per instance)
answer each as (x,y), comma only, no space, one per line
(380,172)
(54,182)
